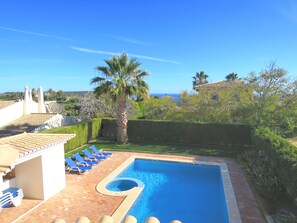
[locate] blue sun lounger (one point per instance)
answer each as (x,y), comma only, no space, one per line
(81,160)
(100,152)
(94,157)
(11,196)
(71,166)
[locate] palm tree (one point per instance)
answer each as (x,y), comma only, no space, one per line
(231,77)
(120,79)
(199,78)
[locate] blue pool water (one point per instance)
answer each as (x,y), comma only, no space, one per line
(186,192)
(121,185)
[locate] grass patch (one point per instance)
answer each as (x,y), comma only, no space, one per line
(158,147)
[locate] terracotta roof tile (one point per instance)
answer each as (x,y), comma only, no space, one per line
(27,143)
(25,124)
(8,155)
(4,104)
(220,84)
(14,147)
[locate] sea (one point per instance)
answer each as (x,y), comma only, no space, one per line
(160,95)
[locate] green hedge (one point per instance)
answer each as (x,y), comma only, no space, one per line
(85,131)
(183,132)
(283,155)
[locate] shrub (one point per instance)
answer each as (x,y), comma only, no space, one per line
(85,131)
(264,175)
(183,132)
(283,156)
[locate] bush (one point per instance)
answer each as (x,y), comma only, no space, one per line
(264,175)
(85,131)
(283,156)
(183,132)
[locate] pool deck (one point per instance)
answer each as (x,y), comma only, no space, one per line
(80,197)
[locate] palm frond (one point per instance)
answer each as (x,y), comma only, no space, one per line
(120,76)
(97,80)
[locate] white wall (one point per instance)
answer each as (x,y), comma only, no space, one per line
(43,176)
(15,111)
(55,122)
(28,176)
(34,107)
(53,167)
(10,113)
(6,184)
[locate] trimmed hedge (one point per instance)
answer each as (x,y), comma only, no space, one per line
(85,131)
(183,132)
(283,155)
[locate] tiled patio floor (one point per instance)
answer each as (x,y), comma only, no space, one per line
(80,198)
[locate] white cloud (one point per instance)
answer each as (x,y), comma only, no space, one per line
(37,34)
(128,40)
(113,53)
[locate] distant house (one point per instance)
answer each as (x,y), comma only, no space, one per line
(222,91)
(12,110)
(28,116)
(33,163)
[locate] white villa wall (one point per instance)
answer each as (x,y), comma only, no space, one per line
(6,184)
(43,176)
(29,178)
(10,113)
(55,122)
(15,111)
(34,107)
(53,168)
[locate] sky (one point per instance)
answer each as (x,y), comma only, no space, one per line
(58,43)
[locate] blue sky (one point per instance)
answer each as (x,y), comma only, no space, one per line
(57,44)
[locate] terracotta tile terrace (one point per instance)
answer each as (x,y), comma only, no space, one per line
(80,198)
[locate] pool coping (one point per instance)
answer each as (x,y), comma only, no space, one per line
(132,194)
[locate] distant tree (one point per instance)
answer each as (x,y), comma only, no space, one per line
(34,94)
(231,77)
(50,95)
(199,78)
(102,106)
(61,96)
(159,108)
(268,95)
(120,79)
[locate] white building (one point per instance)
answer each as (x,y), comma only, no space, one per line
(38,168)
(20,108)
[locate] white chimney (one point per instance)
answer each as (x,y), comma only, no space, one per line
(26,105)
(41,106)
(30,95)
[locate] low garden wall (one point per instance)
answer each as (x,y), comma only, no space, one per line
(182,132)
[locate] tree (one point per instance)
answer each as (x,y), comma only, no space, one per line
(231,77)
(93,107)
(199,78)
(120,79)
(267,94)
(159,108)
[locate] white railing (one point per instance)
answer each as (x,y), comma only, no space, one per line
(108,219)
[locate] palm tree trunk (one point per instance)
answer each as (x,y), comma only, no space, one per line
(122,120)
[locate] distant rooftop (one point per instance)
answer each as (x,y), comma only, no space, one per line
(28,143)
(4,104)
(219,84)
(26,123)
(14,147)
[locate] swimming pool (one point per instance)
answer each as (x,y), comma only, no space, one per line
(183,191)
(188,191)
